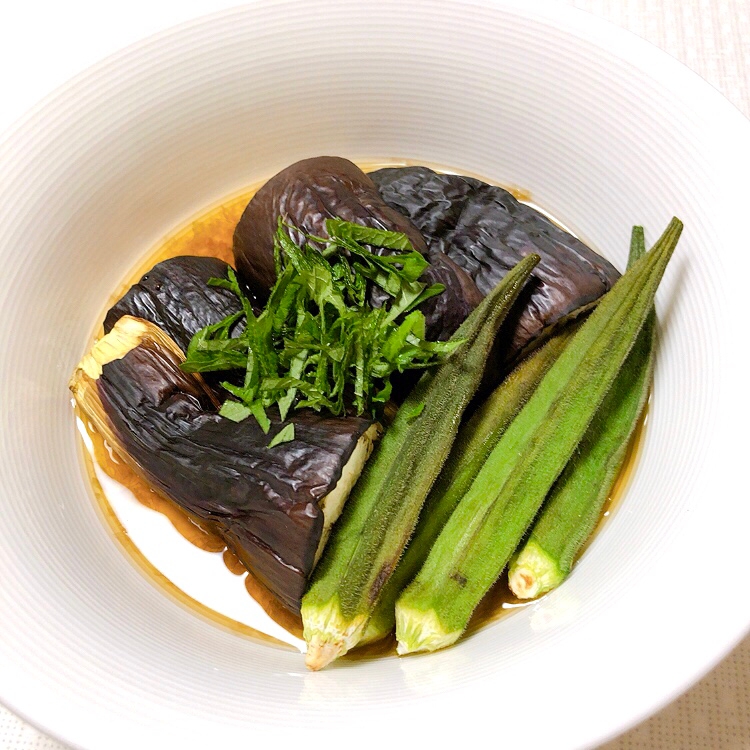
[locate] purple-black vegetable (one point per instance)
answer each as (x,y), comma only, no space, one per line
(273,505)
(307,193)
(175,296)
(486,231)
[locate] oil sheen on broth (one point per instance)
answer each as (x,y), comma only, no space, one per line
(210,234)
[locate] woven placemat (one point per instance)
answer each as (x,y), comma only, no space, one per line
(713,715)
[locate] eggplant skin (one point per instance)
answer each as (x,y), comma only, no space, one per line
(175,296)
(307,193)
(264,502)
(486,231)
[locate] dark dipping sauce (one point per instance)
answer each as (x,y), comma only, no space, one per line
(210,234)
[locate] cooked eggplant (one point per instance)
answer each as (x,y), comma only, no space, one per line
(175,296)
(486,231)
(313,190)
(273,506)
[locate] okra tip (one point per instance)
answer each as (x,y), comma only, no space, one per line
(533,572)
(321,653)
(421,631)
(328,633)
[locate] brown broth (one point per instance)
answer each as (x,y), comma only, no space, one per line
(210,234)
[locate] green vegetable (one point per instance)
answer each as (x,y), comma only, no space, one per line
(574,505)
(318,342)
(284,435)
(383,508)
(235,411)
(474,443)
(490,520)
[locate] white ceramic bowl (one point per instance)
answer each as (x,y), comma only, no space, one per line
(605,131)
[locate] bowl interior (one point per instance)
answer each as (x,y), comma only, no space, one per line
(603,130)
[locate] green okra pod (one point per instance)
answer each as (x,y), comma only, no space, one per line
(473,444)
(490,520)
(575,502)
(381,513)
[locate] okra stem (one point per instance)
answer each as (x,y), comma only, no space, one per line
(473,444)
(575,502)
(490,520)
(383,508)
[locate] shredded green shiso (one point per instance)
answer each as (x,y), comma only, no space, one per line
(318,342)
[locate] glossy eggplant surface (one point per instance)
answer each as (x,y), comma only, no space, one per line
(268,504)
(486,231)
(307,193)
(175,296)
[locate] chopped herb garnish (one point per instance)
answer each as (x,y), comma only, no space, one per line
(319,343)
(234,410)
(284,435)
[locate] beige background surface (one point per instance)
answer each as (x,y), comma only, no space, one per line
(712,37)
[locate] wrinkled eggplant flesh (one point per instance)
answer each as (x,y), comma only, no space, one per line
(307,193)
(175,296)
(486,231)
(273,506)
